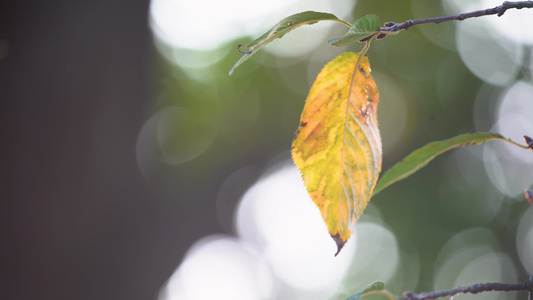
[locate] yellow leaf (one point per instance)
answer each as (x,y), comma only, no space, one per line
(338,146)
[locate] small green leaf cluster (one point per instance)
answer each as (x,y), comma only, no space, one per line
(362,30)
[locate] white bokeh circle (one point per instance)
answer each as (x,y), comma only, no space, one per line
(278,216)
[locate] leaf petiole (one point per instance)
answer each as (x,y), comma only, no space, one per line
(361,55)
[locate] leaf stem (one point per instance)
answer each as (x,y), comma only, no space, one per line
(393,28)
(517,144)
(361,55)
(344,22)
(526,286)
(422,156)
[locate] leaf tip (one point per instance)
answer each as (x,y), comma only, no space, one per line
(339,241)
(231,71)
(529,142)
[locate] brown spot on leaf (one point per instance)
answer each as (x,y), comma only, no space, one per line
(363,72)
(364,111)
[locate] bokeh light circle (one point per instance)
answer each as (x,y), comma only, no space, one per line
(524,240)
(173,135)
(470,257)
(467,192)
(205,25)
(489,267)
(219,267)
(278,216)
(491,57)
(377,254)
(514,117)
(182,135)
(487,99)
(509,167)
(392,115)
(511,24)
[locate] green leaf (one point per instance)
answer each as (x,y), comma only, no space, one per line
(377,287)
(361,29)
(421,157)
(283,27)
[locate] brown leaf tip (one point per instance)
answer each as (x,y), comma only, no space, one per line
(529,142)
(340,243)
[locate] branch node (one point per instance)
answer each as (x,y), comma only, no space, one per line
(498,10)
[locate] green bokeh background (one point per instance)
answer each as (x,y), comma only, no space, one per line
(421,65)
(83,217)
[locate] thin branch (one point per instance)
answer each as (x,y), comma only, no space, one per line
(498,10)
(526,286)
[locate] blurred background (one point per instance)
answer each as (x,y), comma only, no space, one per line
(134,167)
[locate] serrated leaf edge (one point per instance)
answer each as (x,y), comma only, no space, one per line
(361,29)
